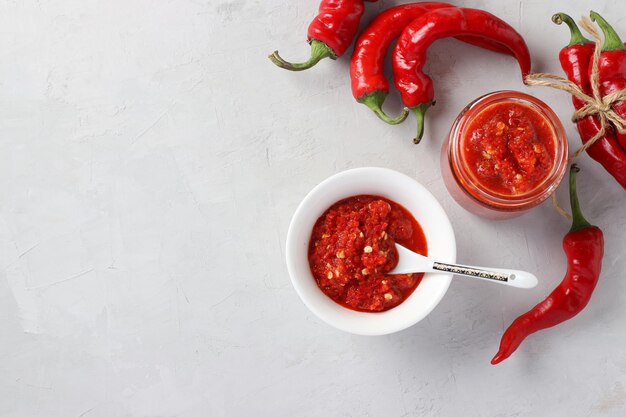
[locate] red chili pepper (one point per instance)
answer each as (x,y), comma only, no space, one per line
(409,55)
(330,33)
(575,60)
(612,68)
(584,248)
(576,56)
(369,84)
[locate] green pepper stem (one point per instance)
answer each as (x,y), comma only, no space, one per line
(577,37)
(375,102)
(612,41)
(419,112)
(578,220)
(319,51)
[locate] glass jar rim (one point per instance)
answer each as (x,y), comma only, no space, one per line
(480,194)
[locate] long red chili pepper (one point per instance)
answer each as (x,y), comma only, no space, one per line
(612,68)
(409,55)
(575,60)
(576,56)
(369,84)
(330,33)
(584,248)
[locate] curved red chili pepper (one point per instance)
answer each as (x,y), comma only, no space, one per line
(330,33)
(369,84)
(575,60)
(612,68)
(409,55)
(584,248)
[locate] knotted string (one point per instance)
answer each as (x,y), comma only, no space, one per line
(594,105)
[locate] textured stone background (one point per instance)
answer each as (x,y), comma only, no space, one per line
(150,160)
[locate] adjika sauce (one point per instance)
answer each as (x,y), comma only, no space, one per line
(509,148)
(352,249)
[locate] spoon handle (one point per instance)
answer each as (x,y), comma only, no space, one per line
(472,272)
(512,277)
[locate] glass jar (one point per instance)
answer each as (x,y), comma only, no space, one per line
(464,186)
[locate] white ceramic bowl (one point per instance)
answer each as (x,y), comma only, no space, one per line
(396,187)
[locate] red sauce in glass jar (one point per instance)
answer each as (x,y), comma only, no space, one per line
(505,154)
(509,148)
(352,249)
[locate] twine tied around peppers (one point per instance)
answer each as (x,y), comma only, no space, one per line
(595,104)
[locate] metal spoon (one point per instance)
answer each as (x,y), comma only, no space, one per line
(410,261)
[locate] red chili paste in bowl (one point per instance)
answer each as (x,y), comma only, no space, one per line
(352,249)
